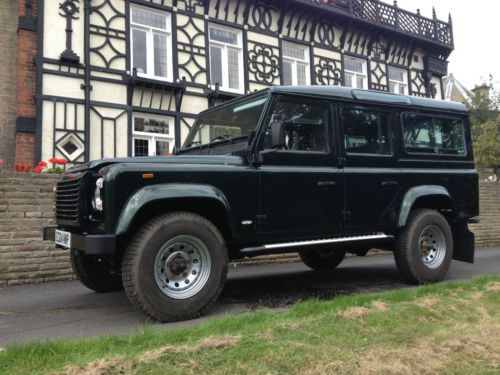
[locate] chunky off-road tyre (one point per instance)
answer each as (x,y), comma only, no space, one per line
(424,248)
(175,266)
(322,260)
(100,274)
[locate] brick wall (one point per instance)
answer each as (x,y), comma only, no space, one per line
(26,206)
(25,148)
(26,82)
(8,52)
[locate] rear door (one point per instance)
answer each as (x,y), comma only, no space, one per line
(371,179)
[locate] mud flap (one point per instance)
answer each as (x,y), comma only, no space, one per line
(464,243)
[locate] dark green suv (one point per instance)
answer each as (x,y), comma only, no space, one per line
(317,170)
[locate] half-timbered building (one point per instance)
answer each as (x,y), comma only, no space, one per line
(127,77)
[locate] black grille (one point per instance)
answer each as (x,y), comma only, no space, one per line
(67,200)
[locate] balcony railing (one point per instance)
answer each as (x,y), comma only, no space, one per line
(395,18)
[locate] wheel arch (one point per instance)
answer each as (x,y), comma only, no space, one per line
(153,200)
(426,196)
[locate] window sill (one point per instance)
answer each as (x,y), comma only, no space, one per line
(154,83)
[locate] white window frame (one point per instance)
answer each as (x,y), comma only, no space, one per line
(398,84)
(150,31)
(153,137)
(356,75)
(224,85)
(294,62)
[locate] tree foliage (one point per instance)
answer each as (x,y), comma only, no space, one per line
(485,124)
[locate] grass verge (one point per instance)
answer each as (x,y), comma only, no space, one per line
(445,328)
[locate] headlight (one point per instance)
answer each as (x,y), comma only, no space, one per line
(97,200)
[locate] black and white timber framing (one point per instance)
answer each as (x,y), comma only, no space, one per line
(87,90)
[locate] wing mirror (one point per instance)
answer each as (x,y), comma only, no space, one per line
(278,137)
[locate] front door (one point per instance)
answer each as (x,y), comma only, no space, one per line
(300,183)
(372,181)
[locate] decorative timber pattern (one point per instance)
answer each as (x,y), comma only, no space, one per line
(88,102)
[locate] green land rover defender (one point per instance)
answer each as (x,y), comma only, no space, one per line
(320,170)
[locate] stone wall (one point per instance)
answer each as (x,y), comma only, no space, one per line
(26,206)
(8,54)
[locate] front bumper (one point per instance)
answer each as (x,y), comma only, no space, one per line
(90,244)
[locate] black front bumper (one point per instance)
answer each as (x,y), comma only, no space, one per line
(90,244)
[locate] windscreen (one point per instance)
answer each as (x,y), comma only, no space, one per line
(228,122)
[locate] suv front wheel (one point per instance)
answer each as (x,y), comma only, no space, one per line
(175,266)
(424,248)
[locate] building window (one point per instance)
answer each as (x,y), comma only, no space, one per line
(152,136)
(226,58)
(398,81)
(355,73)
(151,43)
(295,64)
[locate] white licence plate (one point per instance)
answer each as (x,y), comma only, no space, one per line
(63,238)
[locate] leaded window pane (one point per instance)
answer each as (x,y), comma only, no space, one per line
(293,51)
(301,74)
(396,75)
(224,36)
(141,147)
(143,17)
(354,65)
(234,68)
(216,65)
(160,55)
(151,125)
(287,73)
(360,82)
(139,47)
(348,79)
(162,148)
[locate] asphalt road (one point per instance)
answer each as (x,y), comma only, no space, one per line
(67,310)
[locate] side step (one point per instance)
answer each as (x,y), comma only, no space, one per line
(286,247)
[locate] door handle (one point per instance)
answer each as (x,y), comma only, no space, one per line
(389,183)
(326,183)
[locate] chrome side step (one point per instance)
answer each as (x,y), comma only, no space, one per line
(300,245)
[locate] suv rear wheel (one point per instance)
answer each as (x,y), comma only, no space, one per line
(175,266)
(101,274)
(322,260)
(424,249)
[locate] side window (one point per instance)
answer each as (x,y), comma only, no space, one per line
(304,125)
(366,131)
(429,135)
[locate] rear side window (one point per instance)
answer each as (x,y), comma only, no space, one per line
(366,131)
(433,135)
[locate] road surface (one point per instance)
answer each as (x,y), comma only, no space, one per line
(67,310)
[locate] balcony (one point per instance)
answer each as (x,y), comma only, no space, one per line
(394,18)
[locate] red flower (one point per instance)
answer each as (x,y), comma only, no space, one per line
(53,160)
(22,167)
(62,161)
(38,169)
(42,164)
(28,168)
(1,162)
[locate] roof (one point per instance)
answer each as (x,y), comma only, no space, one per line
(371,96)
(455,91)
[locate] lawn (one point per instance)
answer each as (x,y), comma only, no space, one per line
(447,328)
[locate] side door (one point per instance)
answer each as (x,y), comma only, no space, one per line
(300,183)
(371,177)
